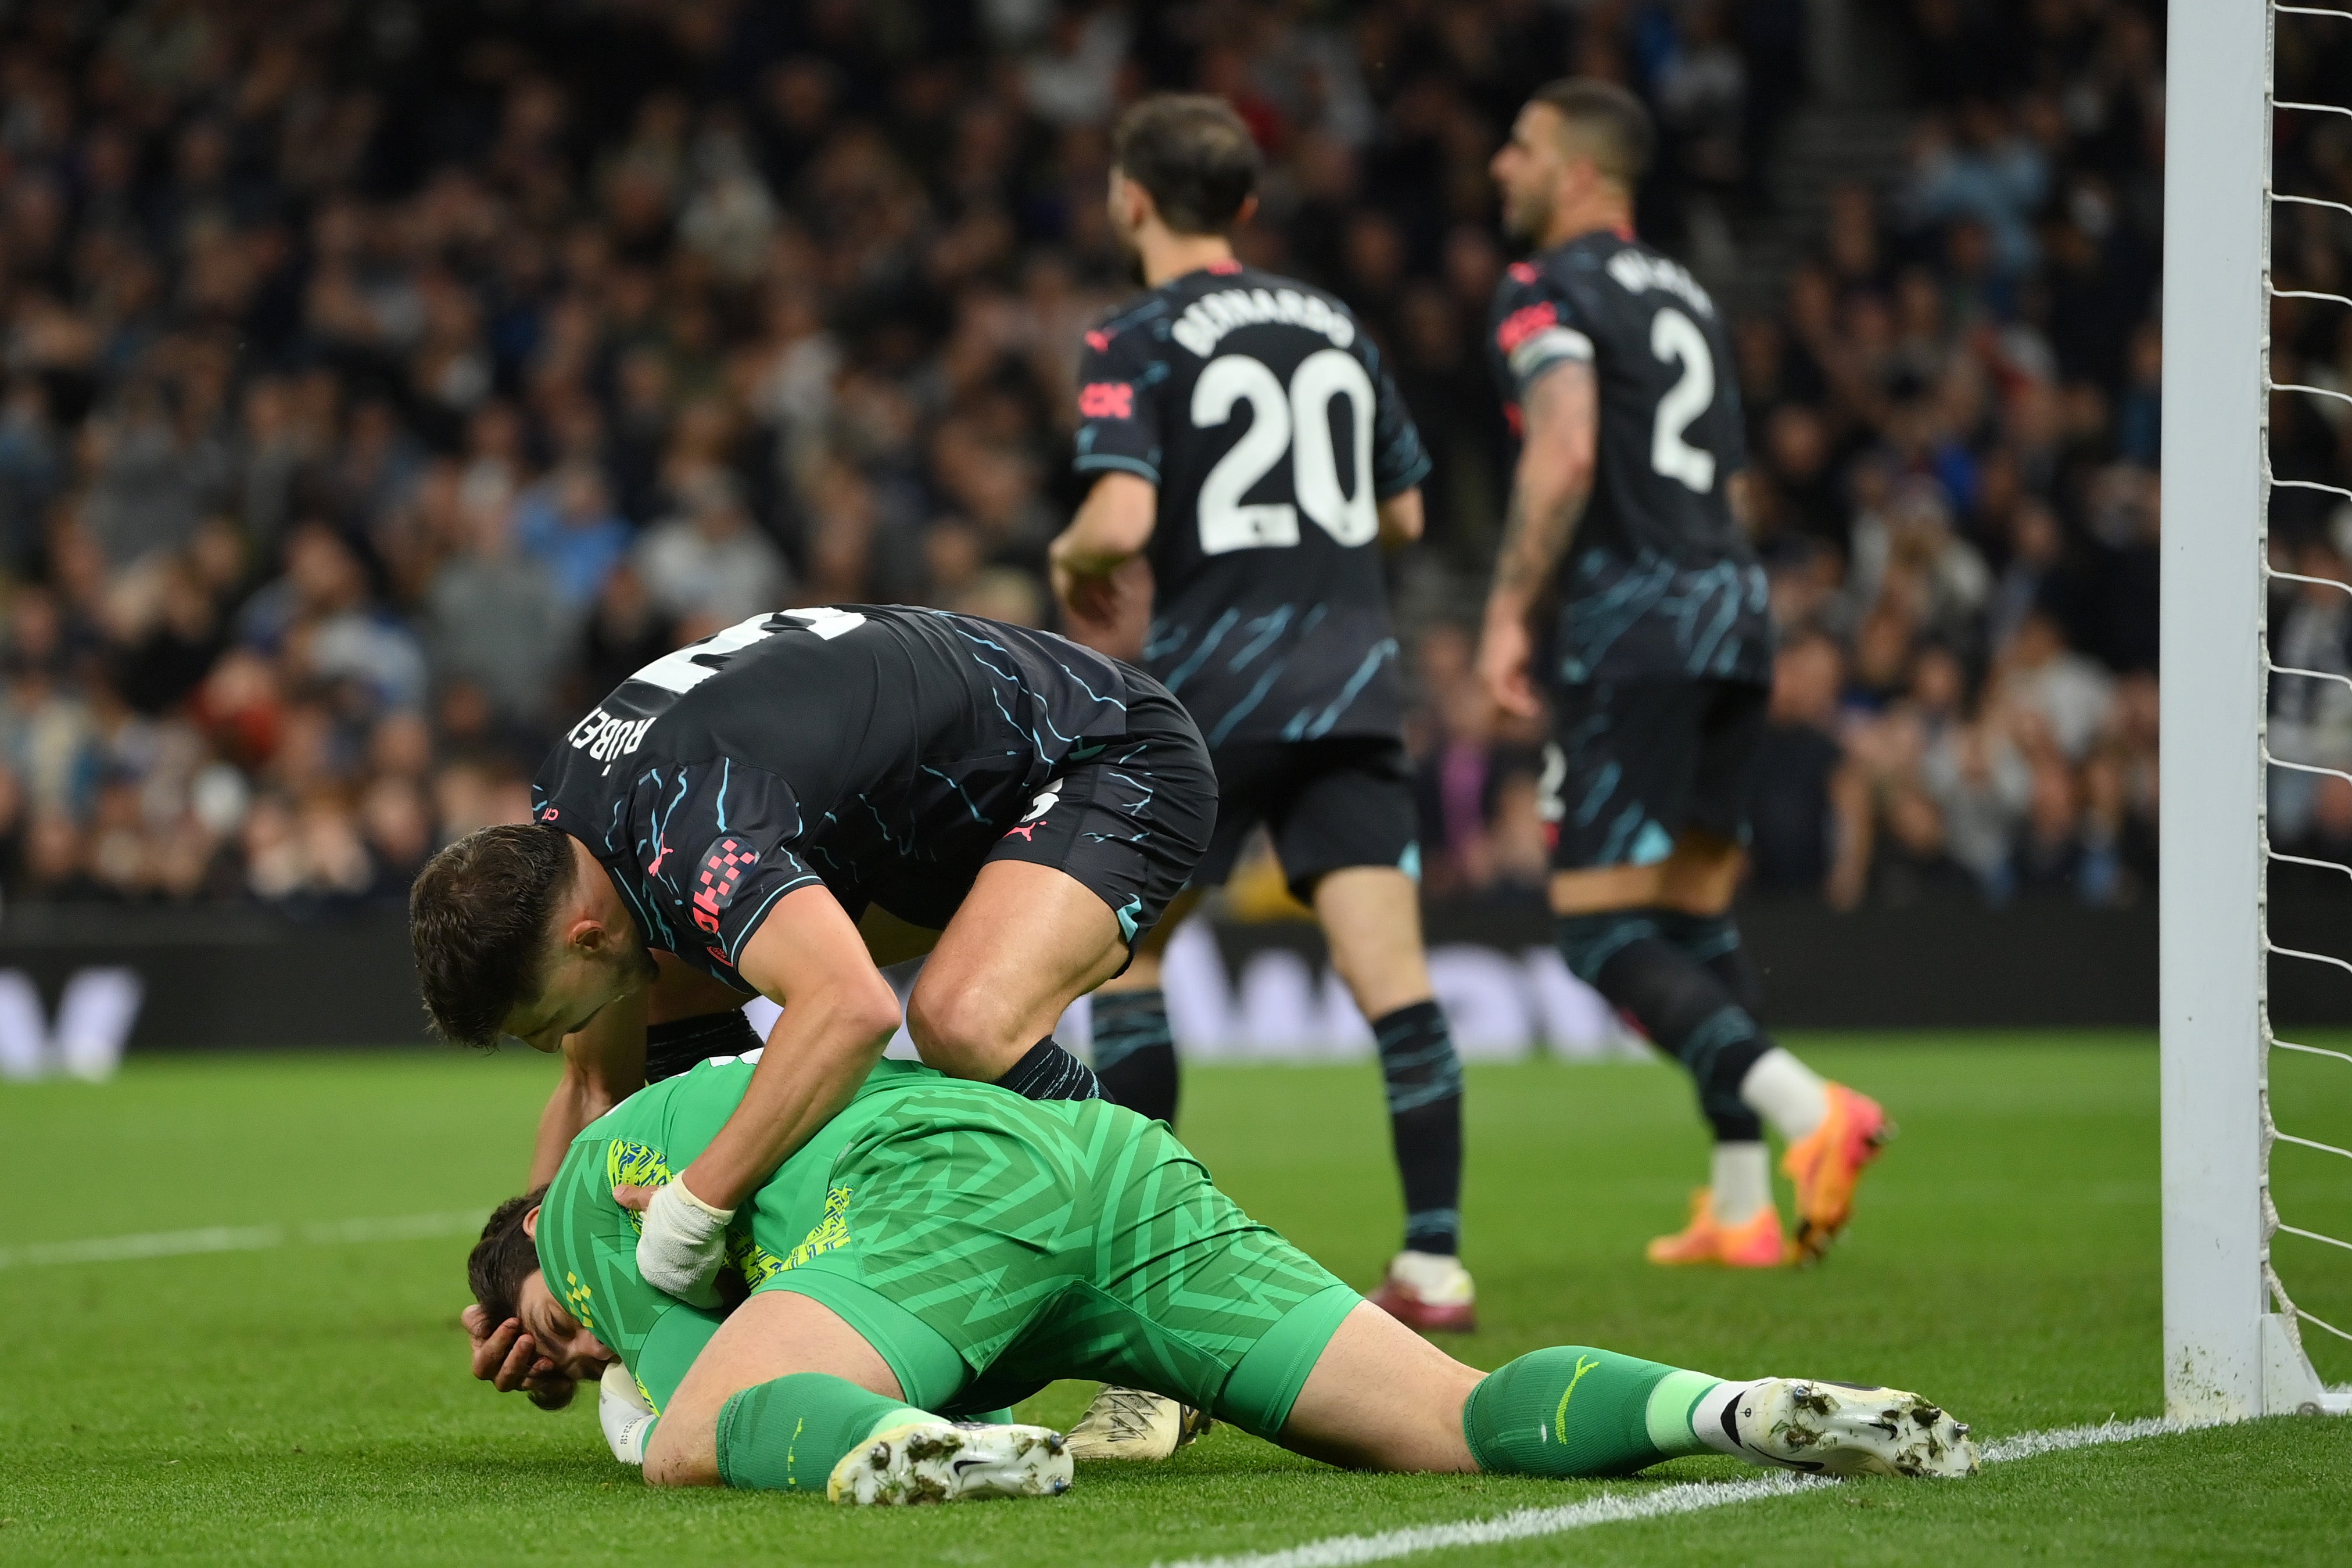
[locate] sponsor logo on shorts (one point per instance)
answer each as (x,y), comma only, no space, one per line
(1047,799)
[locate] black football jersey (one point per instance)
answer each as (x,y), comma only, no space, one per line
(1658,579)
(879,749)
(1261,410)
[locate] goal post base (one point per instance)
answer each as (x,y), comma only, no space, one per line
(2290,1387)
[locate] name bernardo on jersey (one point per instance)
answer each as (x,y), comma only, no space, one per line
(1208,319)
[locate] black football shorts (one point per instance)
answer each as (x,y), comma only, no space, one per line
(1633,764)
(1129,819)
(1328,805)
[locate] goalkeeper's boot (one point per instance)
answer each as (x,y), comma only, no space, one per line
(1136,1424)
(1827,1163)
(947,1461)
(1754,1243)
(1846,1430)
(1429,1292)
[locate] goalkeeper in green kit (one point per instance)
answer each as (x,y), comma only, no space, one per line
(941,1249)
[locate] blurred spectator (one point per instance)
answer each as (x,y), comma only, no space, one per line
(1810,806)
(708,563)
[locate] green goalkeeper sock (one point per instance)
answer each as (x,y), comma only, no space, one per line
(1575,1411)
(787,1435)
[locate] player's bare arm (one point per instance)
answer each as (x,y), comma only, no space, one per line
(1402,521)
(839,1014)
(1112,527)
(1548,496)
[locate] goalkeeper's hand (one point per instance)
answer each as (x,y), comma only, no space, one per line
(627,1420)
(683,1242)
(508,1359)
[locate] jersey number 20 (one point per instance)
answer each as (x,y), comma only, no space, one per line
(1674,338)
(1298,422)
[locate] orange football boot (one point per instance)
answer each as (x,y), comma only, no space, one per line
(1827,1163)
(1754,1243)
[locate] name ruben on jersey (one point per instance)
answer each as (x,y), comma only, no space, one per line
(606,737)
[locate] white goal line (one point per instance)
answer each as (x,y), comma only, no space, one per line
(1689,1497)
(242,1239)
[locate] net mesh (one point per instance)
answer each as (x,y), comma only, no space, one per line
(2299,680)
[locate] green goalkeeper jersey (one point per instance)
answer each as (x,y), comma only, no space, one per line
(588,1242)
(982,1243)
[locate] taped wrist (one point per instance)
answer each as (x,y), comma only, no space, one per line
(787,1435)
(682,1245)
(671,1048)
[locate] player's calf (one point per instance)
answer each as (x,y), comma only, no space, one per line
(1575,1410)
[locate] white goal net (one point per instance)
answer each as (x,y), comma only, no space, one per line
(2255,1166)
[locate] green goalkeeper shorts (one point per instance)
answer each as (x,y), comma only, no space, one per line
(985,1245)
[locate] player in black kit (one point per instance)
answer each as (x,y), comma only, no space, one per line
(1614,370)
(775,809)
(1242,436)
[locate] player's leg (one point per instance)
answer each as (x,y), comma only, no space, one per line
(1382,1398)
(1832,1133)
(1302,1360)
(788,1396)
(1134,1048)
(1624,771)
(1062,900)
(1027,941)
(1347,839)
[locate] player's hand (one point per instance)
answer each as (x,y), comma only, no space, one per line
(1088,598)
(683,1242)
(1505,652)
(509,1359)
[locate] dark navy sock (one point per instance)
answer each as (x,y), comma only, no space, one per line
(1135,1056)
(1675,999)
(1424,1084)
(1714,941)
(1046,1071)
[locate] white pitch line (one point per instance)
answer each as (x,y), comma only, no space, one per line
(241,1239)
(1620,1508)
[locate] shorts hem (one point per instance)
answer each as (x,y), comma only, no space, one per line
(930,1370)
(1265,1383)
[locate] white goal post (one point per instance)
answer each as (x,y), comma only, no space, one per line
(2232,1339)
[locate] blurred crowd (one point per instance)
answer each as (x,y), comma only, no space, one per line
(380,383)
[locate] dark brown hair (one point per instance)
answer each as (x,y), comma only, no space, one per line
(1610,124)
(1195,156)
(504,1258)
(477,919)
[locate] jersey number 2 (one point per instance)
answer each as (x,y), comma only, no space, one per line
(1298,422)
(1674,338)
(683,671)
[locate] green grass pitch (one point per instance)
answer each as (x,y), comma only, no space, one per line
(309,1401)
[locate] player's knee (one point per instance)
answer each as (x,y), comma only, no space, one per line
(966,1031)
(680,1463)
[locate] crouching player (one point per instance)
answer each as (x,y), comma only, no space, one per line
(943,1248)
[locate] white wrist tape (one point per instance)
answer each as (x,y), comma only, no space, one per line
(685,1240)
